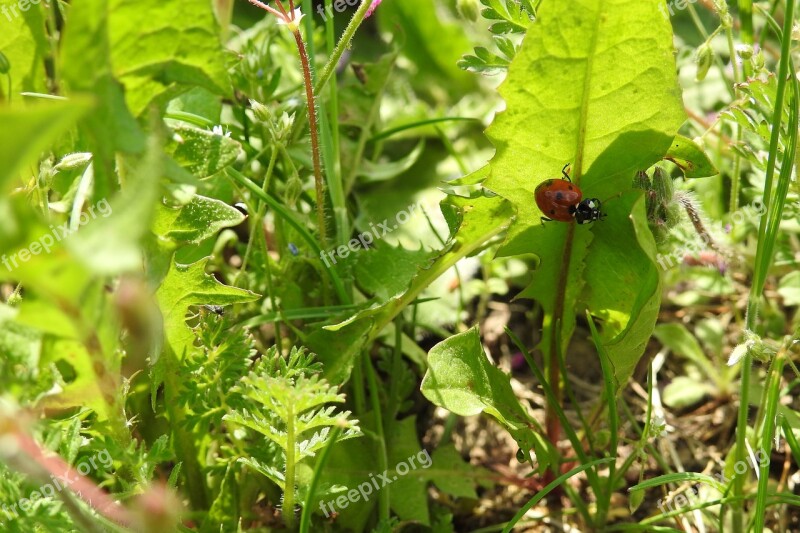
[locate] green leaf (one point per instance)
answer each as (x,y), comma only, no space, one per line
(473,221)
(678,339)
(29,131)
(789,288)
(409,496)
(188,285)
(452,474)
(690,158)
(24,44)
(160,49)
(111,242)
(461,379)
(202,152)
(386,170)
(578,66)
(684,392)
(196,221)
(85,57)
(386,271)
(432,43)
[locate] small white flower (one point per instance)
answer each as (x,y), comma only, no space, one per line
(217,130)
(295,17)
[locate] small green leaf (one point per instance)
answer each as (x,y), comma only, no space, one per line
(196,221)
(461,379)
(690,158)
(188,285)
(202,152)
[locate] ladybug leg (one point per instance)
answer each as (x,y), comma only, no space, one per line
(545,219)
(565,173)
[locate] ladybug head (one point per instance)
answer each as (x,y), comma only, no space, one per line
(588,211)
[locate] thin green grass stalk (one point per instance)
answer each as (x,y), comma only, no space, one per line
(767,233)
(260,210)
(604,499)
(746,23)
(417,124)
(549,488)
(366,130)
(591,475)
(341,46)
(330,142)
(383,459)
(289,486)
(396,369)
(705,35)
(768,431)
(567,388)
(305,516)
(289,217)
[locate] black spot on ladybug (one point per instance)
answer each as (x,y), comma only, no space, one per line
(559,196)
(552,211)
(570,187)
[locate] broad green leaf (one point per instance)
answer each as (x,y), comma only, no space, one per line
(461,379)
(196,221)
(160,49)
(85,56)
(24,44)
(27,132)
(690,158)
(579,66)
(385,271)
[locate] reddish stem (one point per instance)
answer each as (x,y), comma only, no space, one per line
(312,124)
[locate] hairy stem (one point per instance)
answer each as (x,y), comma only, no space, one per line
(312,125)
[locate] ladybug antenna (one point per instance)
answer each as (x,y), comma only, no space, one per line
(565,172)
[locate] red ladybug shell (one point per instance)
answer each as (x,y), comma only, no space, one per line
(557,199)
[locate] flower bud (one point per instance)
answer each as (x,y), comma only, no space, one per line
(703,58)
(294,187)
(468,9)
(745,51)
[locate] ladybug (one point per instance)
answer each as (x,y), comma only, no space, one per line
(561,200)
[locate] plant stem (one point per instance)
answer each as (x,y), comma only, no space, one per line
(764,252)
(288,491)
(341,46)
(305,516)
(313,127)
